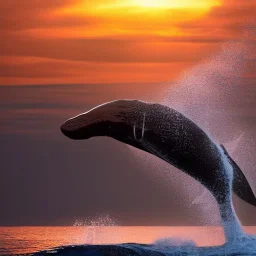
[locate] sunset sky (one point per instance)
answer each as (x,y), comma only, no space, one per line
(59,58)
(112,41)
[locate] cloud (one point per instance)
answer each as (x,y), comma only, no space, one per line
(29,14)
(44,30)
(104,49)
(230,19)
(44,71)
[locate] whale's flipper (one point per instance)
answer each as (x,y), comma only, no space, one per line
(241,186)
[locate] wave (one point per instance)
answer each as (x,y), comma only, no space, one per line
(245,246)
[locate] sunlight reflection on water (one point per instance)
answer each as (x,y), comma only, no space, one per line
(31,239)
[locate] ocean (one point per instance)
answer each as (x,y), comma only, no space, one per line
(21,240)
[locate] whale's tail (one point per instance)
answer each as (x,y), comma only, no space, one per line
(241,186)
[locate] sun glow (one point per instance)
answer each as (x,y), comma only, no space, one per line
(133,17)
(153,5)
(173,3)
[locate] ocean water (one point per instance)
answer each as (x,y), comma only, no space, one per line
(131,240)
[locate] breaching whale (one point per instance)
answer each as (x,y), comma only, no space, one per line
(171,136)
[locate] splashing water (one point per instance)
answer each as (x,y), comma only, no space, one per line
(96,228)
(206,94)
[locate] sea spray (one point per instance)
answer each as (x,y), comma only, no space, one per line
(95,228)
(203,94)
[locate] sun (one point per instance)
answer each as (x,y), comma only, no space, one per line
(104,7)
(151,3)
(174,3)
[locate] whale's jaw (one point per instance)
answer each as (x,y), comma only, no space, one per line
(84,126)
(74,134)
(99,120)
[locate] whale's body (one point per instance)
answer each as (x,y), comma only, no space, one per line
(171,136)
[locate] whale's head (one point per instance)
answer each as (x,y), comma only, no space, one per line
(115,119)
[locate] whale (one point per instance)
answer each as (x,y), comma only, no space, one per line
(168,134)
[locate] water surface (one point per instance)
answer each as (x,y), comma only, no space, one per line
(17,240)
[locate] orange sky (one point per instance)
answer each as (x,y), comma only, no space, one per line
(112,41)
